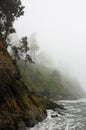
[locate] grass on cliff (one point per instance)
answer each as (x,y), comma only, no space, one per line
(40,79)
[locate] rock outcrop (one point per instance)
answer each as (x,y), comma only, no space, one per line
(18,107)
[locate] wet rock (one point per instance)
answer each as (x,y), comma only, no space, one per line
(54,116)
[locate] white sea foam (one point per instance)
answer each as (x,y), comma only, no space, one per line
(74,117)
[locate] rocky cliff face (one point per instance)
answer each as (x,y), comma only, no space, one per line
(18,107)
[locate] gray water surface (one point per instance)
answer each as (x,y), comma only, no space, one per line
(73,118)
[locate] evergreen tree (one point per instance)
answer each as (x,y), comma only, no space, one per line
(24,49)
(9,11)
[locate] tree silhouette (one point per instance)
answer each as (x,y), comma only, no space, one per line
(15,53)
(9,11)
(22,52)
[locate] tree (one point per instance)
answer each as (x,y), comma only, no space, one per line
(24,44)
(9,11)
(33,46)
(24,49)
(15,53)
(22,52)
(56,75)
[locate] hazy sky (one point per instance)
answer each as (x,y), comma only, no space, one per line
(61,31)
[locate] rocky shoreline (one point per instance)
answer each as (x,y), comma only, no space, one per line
(19,108)
(24,119)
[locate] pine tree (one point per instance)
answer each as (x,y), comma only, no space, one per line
(9,11)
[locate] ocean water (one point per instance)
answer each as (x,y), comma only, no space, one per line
(73,118)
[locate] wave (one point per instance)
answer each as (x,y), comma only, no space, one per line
(74,117)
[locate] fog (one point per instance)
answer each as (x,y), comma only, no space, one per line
(60,27)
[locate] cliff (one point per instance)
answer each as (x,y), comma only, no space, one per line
(18,107)
(45,82)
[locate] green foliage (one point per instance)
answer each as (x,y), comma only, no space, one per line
(50,83)
(24,45)
(15,52)
(21,53)
(38,78)
(24,49)
(56,75)
(9,11)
